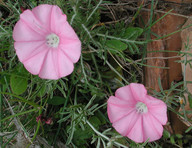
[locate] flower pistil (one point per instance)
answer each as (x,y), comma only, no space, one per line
(52,40)
(141,108)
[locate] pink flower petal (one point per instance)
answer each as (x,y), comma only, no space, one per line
(32,22)
(137,115)
(139,91)
(49,69)
(65,64)
(25,50)
(46,43)
(136,132)
(22,32)
(43,14)
(152,128)
(117,108)
(157,109)
(58,20)
(151,101)
(67,32)
(125,93)
(34,64)
(55,65)
(72,49)
(125,124)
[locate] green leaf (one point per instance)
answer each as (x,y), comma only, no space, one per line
(179,136)
(116,44)
(132,33)
(20,99)
(131,49)
(80,136)
(56,100)
(18,84)
(101,117)
(22,70)
(135,47)
(42,91)
(180,142)
(4,77)
(189,129)
(95,121)
(190,100)
(3,49)
(3,59)
(172,139)
(166,134)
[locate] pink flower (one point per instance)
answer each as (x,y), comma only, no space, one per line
(45,42)
(137,115)
(44,119)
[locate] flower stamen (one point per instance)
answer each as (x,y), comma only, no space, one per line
(141,108)
(52,40)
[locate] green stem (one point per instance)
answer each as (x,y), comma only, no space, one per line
(113,69)
(3,29)
(87,31)
(167,35)
(138,12)
(96,67)
(94,10)
(105,137)
(158,20)
(36,132)
(83,69)
(122,39)
(18,114)
(20,99)
(64,107)
(1,111)
(74,15)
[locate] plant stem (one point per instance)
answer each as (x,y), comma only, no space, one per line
(36,132)
(122,39)
(3,29)
(18,114)
(94,10)
(61,116)
(74,15)
(113,69)
(1,111)
(105,137)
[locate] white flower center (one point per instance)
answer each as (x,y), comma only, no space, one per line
(141,108)
(52,40)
